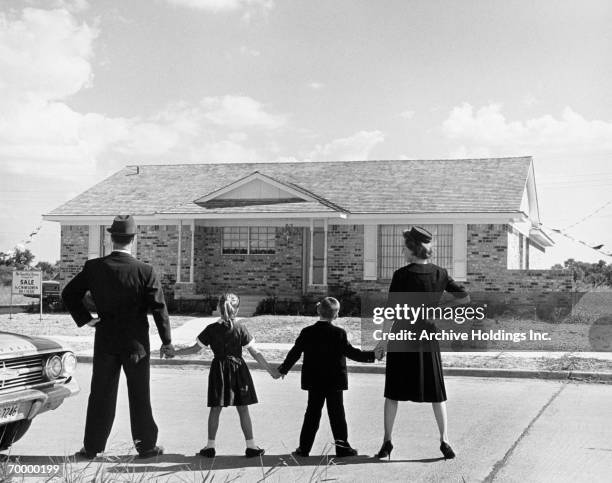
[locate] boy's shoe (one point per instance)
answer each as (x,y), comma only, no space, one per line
(301,453)
(343,449)
(252,452)
(149,453)
(83,453)
(208,452)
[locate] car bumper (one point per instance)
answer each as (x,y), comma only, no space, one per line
(32,402)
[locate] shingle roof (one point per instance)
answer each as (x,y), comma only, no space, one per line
(406,186)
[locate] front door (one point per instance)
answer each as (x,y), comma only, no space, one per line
(314,260)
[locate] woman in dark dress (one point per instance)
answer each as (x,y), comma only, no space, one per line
(414,369)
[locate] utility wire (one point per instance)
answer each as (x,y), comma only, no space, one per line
(589,215)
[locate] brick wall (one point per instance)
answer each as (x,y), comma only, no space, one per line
(281,273)
(73,251)
(278,274)
(487,248)
(157,245)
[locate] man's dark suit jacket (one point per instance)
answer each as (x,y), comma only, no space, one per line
(123,290)
(325,348)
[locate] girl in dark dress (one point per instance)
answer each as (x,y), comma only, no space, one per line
(414,370)
(229,379)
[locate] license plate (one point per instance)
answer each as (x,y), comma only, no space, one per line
(13,412)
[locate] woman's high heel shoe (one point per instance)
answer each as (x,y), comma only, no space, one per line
(447,451)
(385,450)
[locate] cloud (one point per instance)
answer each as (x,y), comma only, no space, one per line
(44,54)
(487,132)
(316,85)
(240,112)
(355,147)
(244,50)
(408,114)
(224,5)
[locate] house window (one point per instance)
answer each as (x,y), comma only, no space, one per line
(391,244)
(256,240)
(262,240)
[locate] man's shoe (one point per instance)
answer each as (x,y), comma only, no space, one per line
(83,453)
(149,453)
(252,452)
(301,453)
(343,449)
(208,452)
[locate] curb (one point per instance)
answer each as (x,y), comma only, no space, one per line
(583,376)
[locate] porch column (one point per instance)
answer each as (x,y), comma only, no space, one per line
(192,249)
(178,262)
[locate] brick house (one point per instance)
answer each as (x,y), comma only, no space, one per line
(287,229)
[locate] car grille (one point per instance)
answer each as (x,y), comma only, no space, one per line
(20,372)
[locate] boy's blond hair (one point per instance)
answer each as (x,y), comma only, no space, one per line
(328,308)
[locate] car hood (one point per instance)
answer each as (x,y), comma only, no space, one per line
(15,344)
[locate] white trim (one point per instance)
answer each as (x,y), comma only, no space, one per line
(532,196)
(338,218)
(93,248)
(460,252)
(199,342)
(435,218)
(258,216)
(256,175)
(370,252)
(538,237)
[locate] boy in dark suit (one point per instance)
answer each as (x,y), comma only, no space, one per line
(324,376)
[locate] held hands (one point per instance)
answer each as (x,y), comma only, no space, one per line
(276,374)
(167,351)
(380,350)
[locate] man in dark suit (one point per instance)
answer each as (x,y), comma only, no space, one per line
(123,290)
(324,375)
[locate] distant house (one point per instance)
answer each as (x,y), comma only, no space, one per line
(287,229)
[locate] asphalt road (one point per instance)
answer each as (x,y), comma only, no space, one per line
(502,429)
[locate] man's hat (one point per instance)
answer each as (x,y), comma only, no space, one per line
(419,234)
(123,225)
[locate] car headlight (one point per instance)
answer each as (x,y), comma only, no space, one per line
(53,367)
(69,362)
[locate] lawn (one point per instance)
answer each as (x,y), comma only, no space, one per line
(5,297)
(568,337)
(60,324)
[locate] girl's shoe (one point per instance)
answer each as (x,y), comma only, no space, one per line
(252,452)
(447,451)
(208,452)
(385,450)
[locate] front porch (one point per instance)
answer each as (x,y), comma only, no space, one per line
(255,258)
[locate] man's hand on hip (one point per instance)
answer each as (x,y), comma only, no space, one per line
(166,351)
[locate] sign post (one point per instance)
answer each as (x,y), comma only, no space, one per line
(27,282)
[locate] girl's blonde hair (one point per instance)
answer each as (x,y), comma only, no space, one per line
(228,308)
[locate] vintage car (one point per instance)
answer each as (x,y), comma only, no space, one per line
(35,376)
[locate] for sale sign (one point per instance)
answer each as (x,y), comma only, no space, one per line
(27,282)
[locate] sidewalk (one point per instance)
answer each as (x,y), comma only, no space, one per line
(521,364)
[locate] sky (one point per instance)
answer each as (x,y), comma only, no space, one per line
(89,87)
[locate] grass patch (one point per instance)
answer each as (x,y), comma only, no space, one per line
(5,297)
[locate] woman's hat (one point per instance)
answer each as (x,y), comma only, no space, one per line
(123,225)
(419,234)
